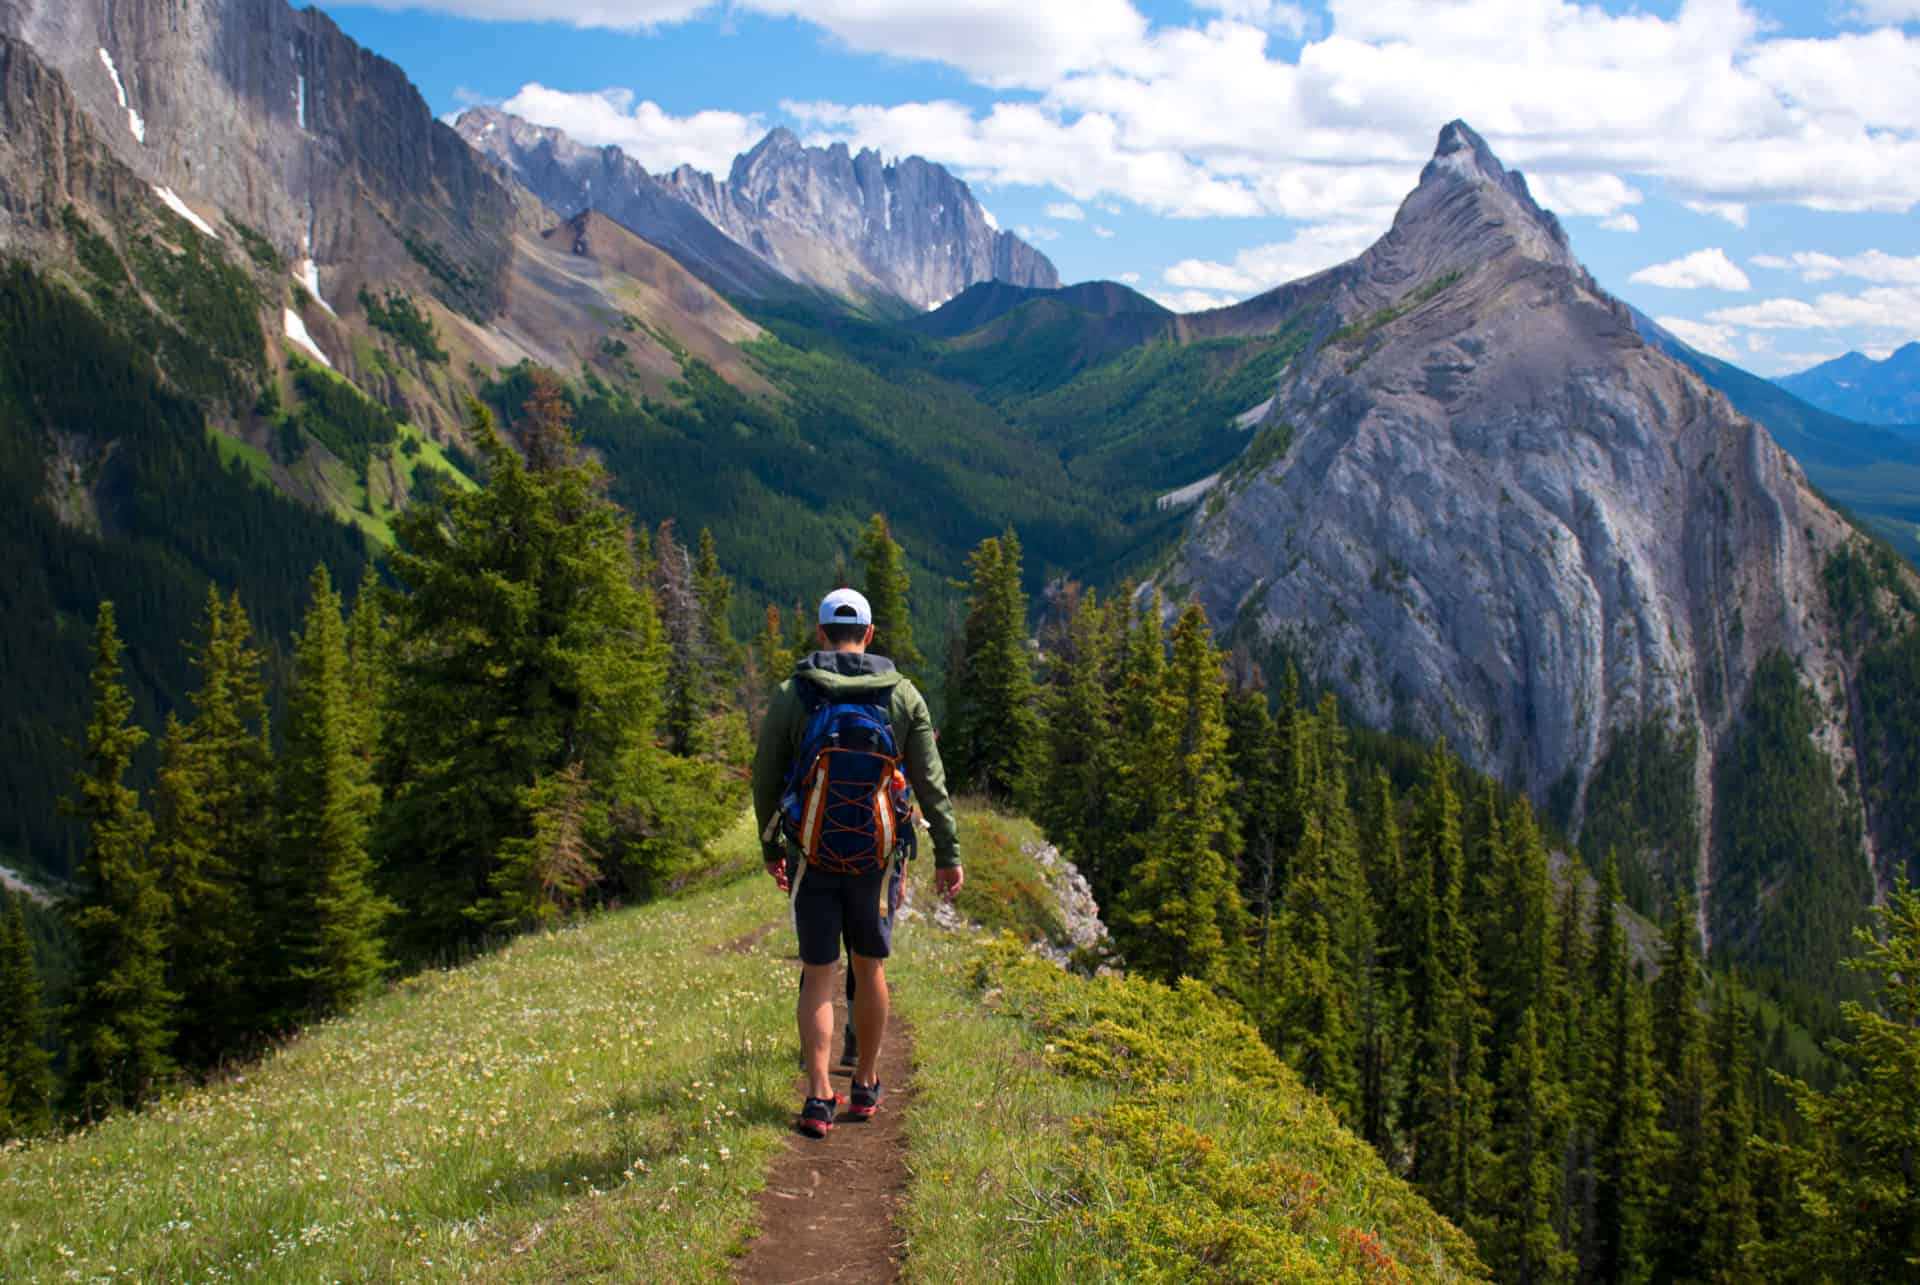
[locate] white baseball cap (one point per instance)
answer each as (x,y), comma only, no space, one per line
(845,607)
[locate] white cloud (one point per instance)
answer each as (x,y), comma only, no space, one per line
(706,140)
(1272,15)
(1873,265)
(1104,233)
(1714,340)
(1888,10)
(1732,211)
(1892,311)
(1131,278)
(1621,223)
(1265,266)
(1038,232)
(1198,116)
(1066,210)
(1190,300)
(1709,269)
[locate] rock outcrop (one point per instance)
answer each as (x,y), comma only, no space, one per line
(272,116)
(573,178)
(860,227)
(1505,518)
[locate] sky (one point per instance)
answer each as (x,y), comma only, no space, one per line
(1745,171)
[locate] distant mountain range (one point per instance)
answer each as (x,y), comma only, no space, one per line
(1857,386)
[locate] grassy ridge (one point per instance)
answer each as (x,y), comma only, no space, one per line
(595,1101)
(603,1102)
(1070,1129)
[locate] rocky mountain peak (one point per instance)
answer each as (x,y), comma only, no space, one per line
(1497,515)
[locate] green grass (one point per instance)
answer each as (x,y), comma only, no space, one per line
(251,458)
(1068,1129)
(599,1101)
(1005,889)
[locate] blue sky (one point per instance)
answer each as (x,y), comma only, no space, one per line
(1747,172)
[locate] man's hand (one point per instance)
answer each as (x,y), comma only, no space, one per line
(948,880)
(778,869)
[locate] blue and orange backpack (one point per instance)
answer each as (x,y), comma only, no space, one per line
(847,806)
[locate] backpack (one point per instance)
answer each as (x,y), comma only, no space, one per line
(847,806)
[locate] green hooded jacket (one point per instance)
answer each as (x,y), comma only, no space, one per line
(847,675)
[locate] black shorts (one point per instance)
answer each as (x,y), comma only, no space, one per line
(829,908)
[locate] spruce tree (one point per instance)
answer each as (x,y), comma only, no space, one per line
(1732,1224)
(1250,764)
(692,660)
(547,873)
(1685,1174)
(1386,1017)
(213,825)
(1136,786)
(1069,797)
(1854,1210)
(1179,911)
(714,588)
(1622,1107)
(524,644)
(1523,1244)
(884,581)
(993,721)
(120,1023)
(26,1078)
(334,925)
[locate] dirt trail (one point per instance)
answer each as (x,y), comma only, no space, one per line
(827,1212)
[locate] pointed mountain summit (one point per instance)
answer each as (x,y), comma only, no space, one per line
(1855,385)
(1485,508)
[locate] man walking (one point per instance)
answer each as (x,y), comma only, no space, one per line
(842,739)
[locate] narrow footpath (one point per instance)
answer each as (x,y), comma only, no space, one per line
(828,1211)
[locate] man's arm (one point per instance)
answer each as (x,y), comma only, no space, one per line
(772,757)
(928,776)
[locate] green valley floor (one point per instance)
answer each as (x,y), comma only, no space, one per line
(605,1102)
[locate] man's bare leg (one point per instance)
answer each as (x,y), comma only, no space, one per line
(816,1025)
(869,1015)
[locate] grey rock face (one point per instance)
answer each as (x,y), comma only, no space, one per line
(857,226)
(278,119)
(1506,519)
(573,178)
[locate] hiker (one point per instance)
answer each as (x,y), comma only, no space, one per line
(842,740)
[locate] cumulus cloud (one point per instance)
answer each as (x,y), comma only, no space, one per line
(1714,340)
(1621,223)
(1273,15)
(1038,232)
(1265,266)
(1889,310)
(1709,269)
(706,140)
(1067,211)
(1190,300)
(1873,265)
(1888,10)
(1203,114)
(1104,233)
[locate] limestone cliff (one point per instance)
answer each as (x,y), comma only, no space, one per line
(1501,516)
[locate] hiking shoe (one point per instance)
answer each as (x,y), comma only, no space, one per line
(850,1055)
(866,1100)
(816,1117)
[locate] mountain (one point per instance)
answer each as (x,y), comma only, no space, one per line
(1872,471)
(573,178)
(1482,506)
(1857,386)
(860,227)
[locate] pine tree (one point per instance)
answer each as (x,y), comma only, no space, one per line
(1622,1107)
(1523,1243)
(993,723)
(1250,764)
(1136,779)
(1516,933)
(120,1023)
(1070,793)
(1854,1212)
(1685,1174)
(1179,912)
(714,588)
(26,1079)
(524,645)
(1386,1017)
(546,874)
(1732,1224)
(884,581)
(335,923)
(369,671)
(691,654)
(213,822)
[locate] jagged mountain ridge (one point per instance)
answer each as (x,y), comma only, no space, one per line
(1856,386)
(1503,517)
(850,225)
